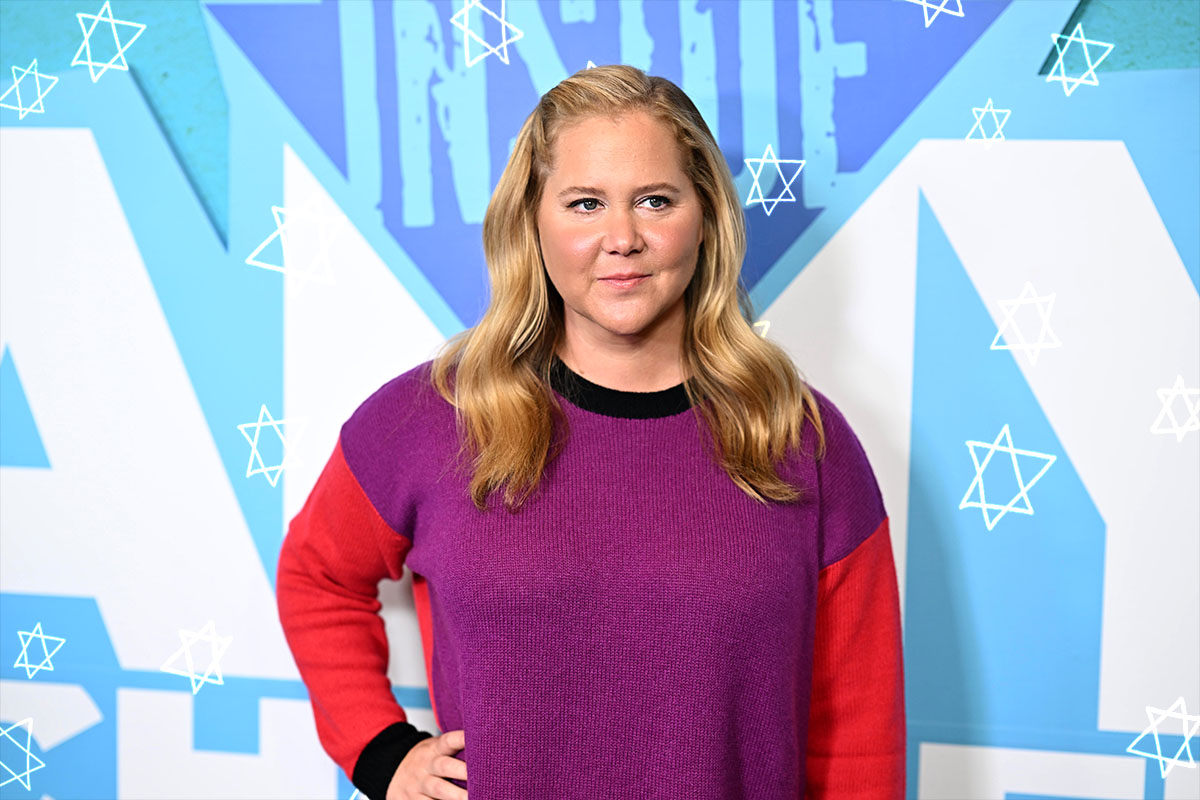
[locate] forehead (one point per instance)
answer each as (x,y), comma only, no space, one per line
(633,144)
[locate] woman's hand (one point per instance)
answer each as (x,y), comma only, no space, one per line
(420,774)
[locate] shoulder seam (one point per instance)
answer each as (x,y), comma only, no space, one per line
(363,492)
(850,550)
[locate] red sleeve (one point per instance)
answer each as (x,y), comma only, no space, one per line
(336,551)
(856,735)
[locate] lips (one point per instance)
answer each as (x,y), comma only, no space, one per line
(627,276)
(625,283)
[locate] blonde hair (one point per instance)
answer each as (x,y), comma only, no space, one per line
(744,387)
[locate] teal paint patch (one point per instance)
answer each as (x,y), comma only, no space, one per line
(1147,34)
(171,61)
(20,442)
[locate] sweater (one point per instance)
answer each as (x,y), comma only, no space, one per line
(640,628)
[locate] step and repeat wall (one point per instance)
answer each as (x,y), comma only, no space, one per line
(224,224)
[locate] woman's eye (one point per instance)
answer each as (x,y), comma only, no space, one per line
(589,204)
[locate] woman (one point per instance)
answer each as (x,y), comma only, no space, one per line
(683,585)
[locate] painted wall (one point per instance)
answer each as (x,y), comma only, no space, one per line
(223,230)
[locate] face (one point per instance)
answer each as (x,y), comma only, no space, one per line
(619,203)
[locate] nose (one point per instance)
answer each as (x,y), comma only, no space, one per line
(622,233)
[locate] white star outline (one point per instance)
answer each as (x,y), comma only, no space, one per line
(980,113)
(303,265)
(1089,76)
(1022,494)
(1046,337)
(274,472)
(761,327)
(12,775)
(756,194)
(1167,398)
(1165,763)
(462,21)
(23,659)
(36,107)
(105,15)
(219,645)
(933,8)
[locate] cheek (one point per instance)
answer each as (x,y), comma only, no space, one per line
(676,239)
(565,244)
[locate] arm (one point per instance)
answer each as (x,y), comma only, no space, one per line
(856,736)
(856,733)
(336,551)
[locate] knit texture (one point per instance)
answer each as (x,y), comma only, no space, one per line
(640,628)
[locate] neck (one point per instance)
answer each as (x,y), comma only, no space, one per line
(627,372)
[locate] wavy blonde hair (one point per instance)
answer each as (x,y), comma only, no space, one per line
(744,387)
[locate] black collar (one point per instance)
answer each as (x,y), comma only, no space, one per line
(615,402)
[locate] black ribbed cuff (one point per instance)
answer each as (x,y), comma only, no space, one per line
(378,761)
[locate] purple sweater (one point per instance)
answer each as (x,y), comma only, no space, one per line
(641,628)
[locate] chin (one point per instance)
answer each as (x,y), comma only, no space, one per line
(624,323)
(626,331)
(621,327)
(621,321)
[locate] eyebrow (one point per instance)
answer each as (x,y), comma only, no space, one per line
(592,190)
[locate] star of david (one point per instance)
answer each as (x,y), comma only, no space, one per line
(932,8)
(36,106)
(756,167)
(27,638)
(9,771)
(302,265)
(189,638)
(462,21)
(272,472)
(1059,71)
(85,49)
(1013,337)
(1022,493)
(1190,723)
(997,122)
(1167,397)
